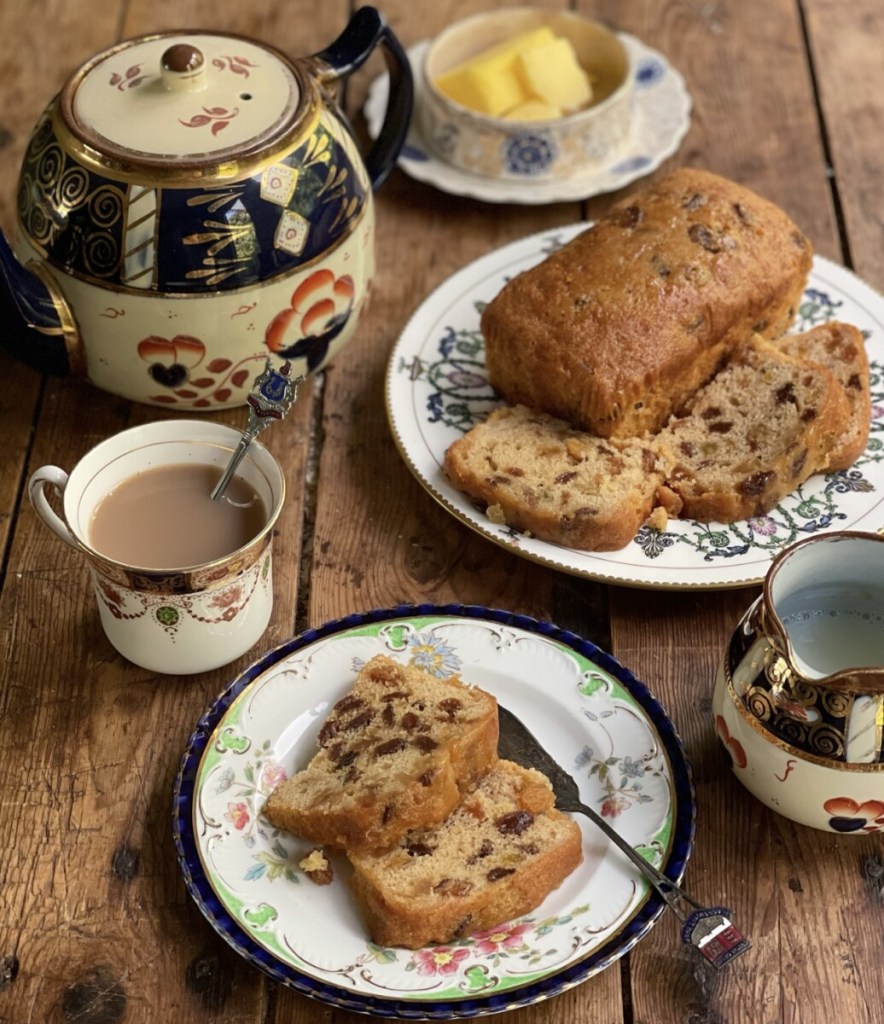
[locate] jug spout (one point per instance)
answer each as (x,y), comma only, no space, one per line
(38,327)
(825,599)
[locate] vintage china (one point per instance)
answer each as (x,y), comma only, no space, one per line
(541,150)
(191,618)
(660,120)
(583,705)
(437,388)
(799,697)
(824,794)
(192,202)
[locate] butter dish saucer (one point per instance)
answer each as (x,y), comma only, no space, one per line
(661,114)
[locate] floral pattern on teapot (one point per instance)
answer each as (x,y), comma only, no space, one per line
(174,198)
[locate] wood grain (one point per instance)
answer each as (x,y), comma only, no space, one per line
(844,54)
(96,924)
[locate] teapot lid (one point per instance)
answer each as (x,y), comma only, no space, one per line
(183,100)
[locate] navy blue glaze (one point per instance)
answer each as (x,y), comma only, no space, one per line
(621,943)
(368,29)
(93,247)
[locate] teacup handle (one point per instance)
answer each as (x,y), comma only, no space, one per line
(352,48)
(37,493)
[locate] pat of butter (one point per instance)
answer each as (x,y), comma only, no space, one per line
(532,110)
(489,82)
(550,71)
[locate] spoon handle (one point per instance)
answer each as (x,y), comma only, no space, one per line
(241,448)
(271,397)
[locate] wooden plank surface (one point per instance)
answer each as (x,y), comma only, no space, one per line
(96,925)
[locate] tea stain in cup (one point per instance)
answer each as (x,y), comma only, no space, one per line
(164,518)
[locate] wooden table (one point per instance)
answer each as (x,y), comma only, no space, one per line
(96,924)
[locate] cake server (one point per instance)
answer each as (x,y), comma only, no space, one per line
(707,929)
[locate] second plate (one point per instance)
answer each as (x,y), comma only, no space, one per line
(437,388)
(591,713)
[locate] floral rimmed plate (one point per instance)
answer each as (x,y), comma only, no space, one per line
(591,713)
(661,113)
(437,388)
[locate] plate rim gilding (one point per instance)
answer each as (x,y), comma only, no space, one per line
(682,812)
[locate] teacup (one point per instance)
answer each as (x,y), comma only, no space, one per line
(180,618)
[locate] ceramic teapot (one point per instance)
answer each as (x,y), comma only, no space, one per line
(191,203)
(807,659)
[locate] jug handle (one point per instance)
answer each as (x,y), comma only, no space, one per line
(352,48)
(58,479)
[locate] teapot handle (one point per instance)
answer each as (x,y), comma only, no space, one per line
(38,326)
(352,48)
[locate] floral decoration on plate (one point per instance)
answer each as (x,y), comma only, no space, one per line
(437,389)
(661,119)
(591,713)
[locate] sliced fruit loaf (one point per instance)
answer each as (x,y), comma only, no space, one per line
(396,752)
(539,475)
(615,329)
(840,348)
(761,427)
(496,857)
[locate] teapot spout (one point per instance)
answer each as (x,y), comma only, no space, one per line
(38,327)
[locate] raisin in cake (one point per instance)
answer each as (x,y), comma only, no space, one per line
(616,329)
(764,424)
(394,753)
(841,348)
(537,474)
(496,857)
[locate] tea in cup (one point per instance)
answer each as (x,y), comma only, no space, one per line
(183,583)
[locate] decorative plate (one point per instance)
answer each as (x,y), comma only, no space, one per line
(662,117)
(592,714)
(437,389)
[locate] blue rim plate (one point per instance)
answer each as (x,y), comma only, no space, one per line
(594,716)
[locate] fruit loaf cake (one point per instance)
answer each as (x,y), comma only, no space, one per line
(841,348)
(616,329)
(394,754)
(496,857)
(537,474)
(752,435)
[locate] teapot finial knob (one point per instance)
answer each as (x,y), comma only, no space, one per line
(183,67)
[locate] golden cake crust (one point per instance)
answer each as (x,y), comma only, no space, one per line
(617,328)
